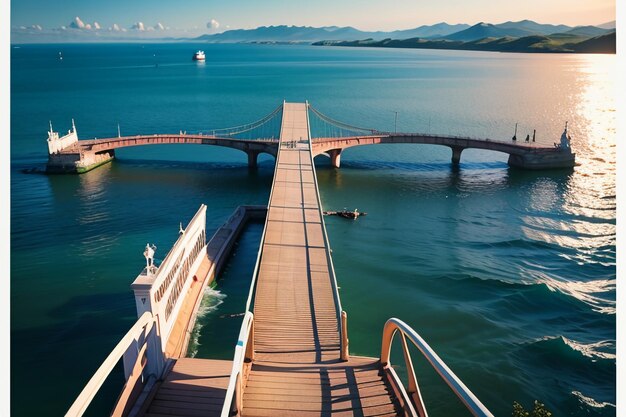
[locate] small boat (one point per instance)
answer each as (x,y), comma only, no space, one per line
(347,214)
(199,56)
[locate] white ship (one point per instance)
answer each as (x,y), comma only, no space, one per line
(199,56)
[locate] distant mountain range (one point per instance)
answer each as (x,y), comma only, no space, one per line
(329,34)
(308,34)
(560,42)
(457,32)
(607,25)
(508,29)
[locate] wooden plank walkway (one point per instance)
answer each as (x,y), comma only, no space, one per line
(294,308)
(297,368)
(194,387)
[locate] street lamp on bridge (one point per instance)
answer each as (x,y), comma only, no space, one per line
(395,123)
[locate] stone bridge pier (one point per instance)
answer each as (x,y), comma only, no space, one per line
(77,162)
(253,156)
(252,159)
(456,154)
(335,157)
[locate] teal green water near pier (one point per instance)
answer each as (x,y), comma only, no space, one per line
(509,275)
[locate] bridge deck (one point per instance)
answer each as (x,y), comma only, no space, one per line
(297,368)
(193,387)
(294,306)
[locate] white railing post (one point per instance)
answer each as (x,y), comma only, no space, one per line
(155,364)
(141,288)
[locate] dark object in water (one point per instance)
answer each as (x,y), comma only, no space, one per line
(229,316)
(345,213)
(33,170)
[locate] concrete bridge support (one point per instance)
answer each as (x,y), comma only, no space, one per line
(252,159)
(456,154)
(543,160)
(77,163)
(335,157)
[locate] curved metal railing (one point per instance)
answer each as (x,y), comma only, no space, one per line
(339,124)
(244,354)
(393,326)
(136,342)
(236,130)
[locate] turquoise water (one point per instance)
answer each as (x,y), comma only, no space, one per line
(509,275)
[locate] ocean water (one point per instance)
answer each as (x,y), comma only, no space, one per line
(509,275)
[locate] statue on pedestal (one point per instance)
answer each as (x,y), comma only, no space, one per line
(149,255)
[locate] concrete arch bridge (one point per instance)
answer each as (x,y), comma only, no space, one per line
(67,154)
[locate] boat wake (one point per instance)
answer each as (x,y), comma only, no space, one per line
(211,300)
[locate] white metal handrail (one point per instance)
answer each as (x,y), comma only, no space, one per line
(143,325)
(244,350)
(392,326)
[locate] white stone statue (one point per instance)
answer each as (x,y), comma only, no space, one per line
(564,139)
(149,254)
(564,144)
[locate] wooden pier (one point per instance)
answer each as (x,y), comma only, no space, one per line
(298,367)
(292,356)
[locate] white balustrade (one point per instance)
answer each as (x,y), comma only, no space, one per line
(161,290)
(57,144)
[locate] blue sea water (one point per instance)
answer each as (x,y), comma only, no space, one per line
(509,275)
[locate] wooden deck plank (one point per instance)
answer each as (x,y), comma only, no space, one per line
(192,387)
(297,370)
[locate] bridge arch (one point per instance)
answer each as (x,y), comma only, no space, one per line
(85,155)
(523,156)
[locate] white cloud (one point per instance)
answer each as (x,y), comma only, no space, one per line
(37,27)
(96,25)
(138,26)
(115,28)
(77,23)
(159,26)
(213,24)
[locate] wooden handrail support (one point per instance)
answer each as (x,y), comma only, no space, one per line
(345,352)
(392,326)
(143,360)
(244,355)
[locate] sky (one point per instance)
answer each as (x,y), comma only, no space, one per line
(194,17)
